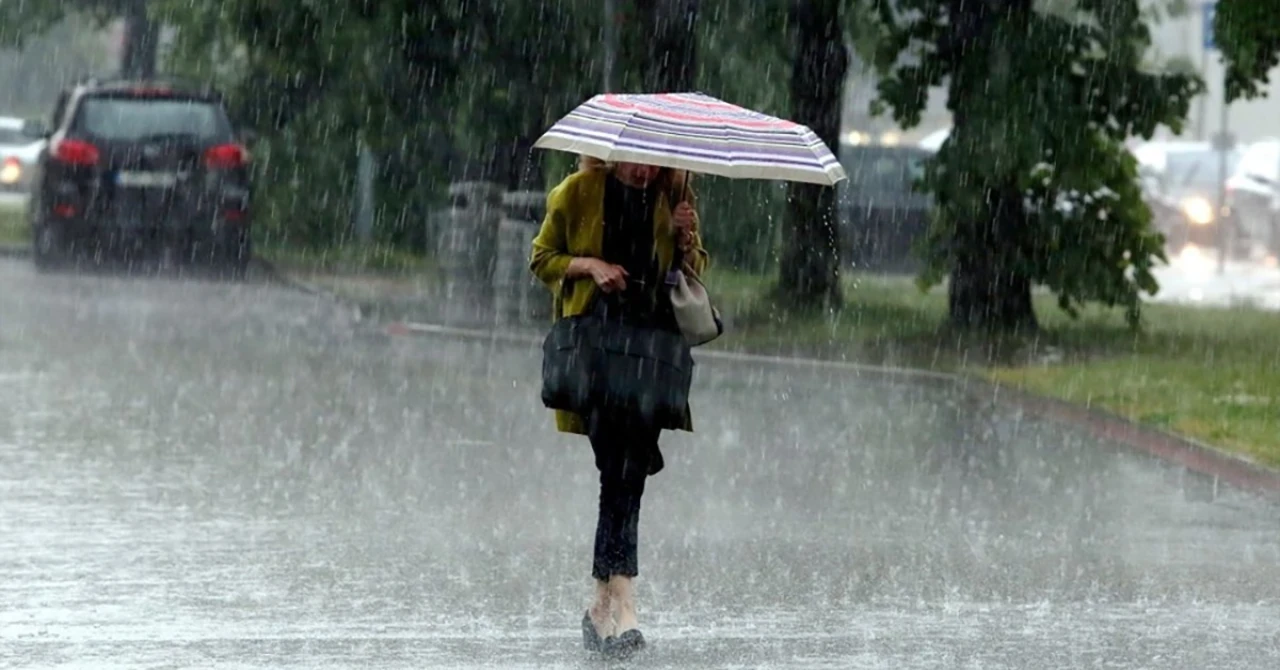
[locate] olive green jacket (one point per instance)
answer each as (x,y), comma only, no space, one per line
(573,227)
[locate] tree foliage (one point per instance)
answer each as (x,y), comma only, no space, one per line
(1249,36)
(440,89)
(1033,185)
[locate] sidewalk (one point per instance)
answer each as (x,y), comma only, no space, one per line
(405,298)
(404,306)
(1189,280)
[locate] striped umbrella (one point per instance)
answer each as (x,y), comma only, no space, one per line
(692,131)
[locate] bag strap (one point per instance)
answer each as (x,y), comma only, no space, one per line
(566,285)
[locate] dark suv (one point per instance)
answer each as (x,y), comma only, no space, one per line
(141,167)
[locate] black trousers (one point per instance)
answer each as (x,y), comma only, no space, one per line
(626,454)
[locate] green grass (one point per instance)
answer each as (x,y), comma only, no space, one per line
(1209,373)
(13,225)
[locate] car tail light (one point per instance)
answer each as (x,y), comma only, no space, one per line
(76,152)
(235,215)
(10,171)
(226,157)
(64,211)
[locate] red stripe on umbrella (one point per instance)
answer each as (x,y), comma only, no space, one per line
(722,119)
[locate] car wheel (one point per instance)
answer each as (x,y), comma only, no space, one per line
(49,249)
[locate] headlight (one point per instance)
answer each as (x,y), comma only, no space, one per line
(1198,210)
(10,171)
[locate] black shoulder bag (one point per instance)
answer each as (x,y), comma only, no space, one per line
(595,362)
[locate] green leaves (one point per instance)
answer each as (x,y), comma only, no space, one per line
(1249,36)
(1035,178)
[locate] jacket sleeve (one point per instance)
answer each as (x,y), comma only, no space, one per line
(550,256)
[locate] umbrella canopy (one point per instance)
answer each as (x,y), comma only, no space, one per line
(696,132)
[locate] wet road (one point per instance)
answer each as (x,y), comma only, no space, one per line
(216,475)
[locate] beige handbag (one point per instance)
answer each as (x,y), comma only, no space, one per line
(699,321)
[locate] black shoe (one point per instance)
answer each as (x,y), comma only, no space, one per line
(624,645)
(590,638)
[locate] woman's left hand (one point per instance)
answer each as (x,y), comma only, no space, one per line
(683,218)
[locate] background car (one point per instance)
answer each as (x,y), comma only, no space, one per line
(142,167)
(1181,181)
(1253,193)
(19,152)
(882,215)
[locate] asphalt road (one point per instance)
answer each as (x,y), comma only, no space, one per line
(205,474)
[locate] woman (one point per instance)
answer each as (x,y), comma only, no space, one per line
(610,231)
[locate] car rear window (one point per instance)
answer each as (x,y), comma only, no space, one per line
(883,170)
(132,119)
(13,136)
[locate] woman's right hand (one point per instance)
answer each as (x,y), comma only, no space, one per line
(608,277)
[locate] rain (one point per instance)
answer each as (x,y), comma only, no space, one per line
(958,328)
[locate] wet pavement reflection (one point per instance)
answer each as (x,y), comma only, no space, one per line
(206,474)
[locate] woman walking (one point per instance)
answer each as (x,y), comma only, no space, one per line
(611,232)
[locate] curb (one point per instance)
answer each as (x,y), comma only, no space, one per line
(1193,456)
(15,251)
(272,273)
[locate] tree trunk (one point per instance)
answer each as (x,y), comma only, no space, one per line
(988,292)
(141,39)
(810,268)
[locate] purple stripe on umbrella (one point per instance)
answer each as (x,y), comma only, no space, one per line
(817,163)
(731,133)
(691,116)
(612,116)
(729,153)
(722,147)
(808,159)
(806,145)
(696,106)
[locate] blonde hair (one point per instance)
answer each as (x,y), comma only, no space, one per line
(676,184)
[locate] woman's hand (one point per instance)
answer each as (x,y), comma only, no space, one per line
(683,218)
(607,276)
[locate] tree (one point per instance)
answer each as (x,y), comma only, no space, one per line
(24,18)
(660,42)
(440,89)
(31,76)
(751,51)
(1033,186)
(530,64)
(1248,35)
(810,268)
